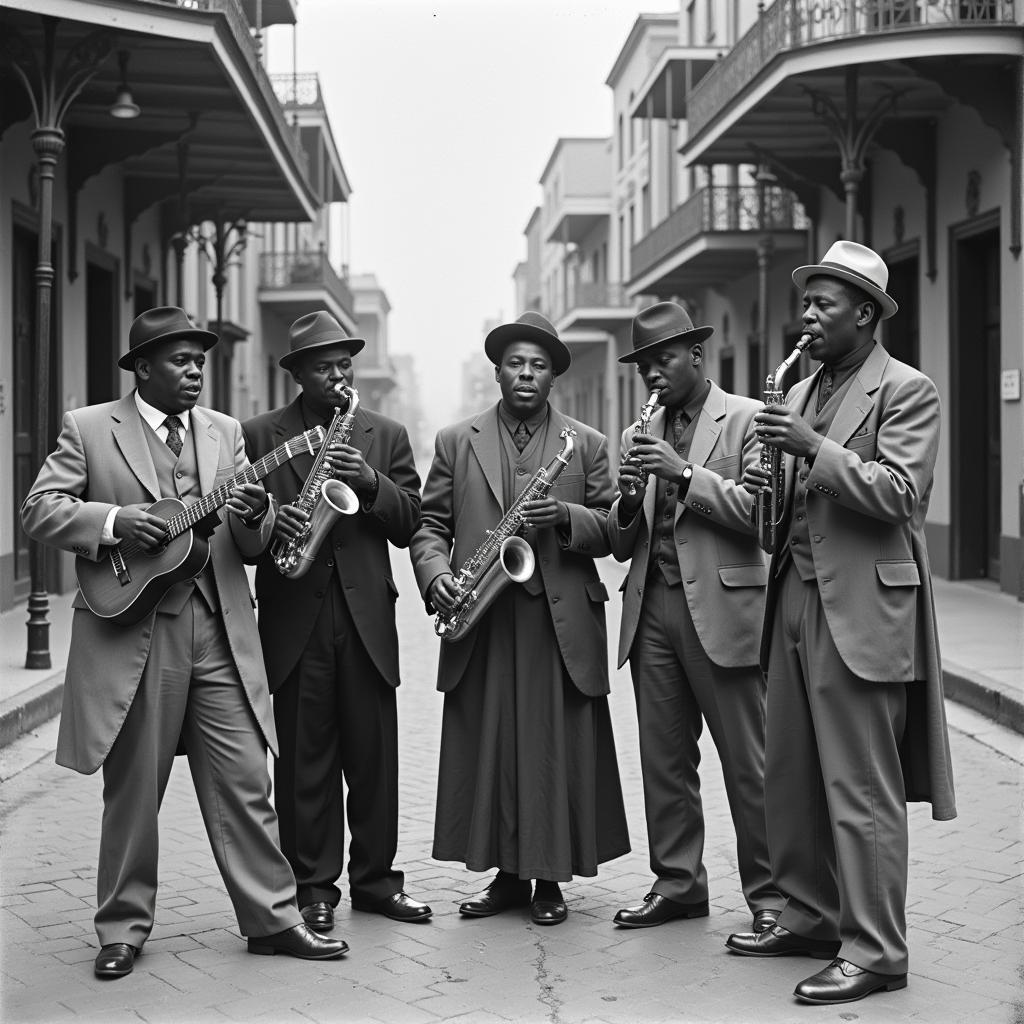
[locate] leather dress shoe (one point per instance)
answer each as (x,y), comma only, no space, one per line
(300,941)
(115,960)
(496,898)
(765,919)
(843,982)
(777,941)
(548,911)
(657,909)
(399,907)
(319,916)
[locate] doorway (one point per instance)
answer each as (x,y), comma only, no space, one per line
(902,331)
(975,433)
(102,343)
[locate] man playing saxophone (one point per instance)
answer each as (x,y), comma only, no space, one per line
(328,633)
(690,613)
(528,782)
(855,718)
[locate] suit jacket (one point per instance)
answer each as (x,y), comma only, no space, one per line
(867,498)
(357,551)
(462,500)
(724,570)
(102,460)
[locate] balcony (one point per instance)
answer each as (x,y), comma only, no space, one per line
(759,95)
(294,284)
(596,305)
(713,237)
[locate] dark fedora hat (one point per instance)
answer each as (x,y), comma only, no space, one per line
(530,326)
(659,324)
(164,323)
(313,331)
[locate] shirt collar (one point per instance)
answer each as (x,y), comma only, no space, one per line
(154,417)
(533,424)
(852,359)
(693,407)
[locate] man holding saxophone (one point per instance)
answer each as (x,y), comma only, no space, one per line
(527,782)
(691,610)
(326,602)
(855,718)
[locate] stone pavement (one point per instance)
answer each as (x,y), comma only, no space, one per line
(964,908)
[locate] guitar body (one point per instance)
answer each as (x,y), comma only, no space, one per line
(126,593)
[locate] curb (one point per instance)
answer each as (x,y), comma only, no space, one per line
(977,692)
(30,708)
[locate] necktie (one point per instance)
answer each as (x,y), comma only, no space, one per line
(521,436)
(173,425)
(825,388)
(679,421)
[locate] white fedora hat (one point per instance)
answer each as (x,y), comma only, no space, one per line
(861,266)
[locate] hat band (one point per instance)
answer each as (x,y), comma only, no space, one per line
(854,273)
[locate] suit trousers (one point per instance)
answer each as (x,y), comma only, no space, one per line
(190,689)
(834,796)
(676,684)
(337,719)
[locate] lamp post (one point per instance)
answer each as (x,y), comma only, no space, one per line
(51,91)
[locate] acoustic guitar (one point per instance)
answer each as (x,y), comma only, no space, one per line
(130,580)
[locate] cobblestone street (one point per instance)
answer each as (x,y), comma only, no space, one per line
(964,908)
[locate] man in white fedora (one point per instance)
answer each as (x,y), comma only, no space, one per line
(855,719)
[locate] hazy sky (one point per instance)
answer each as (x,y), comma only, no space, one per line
(445,114)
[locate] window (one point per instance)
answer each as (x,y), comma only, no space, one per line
(621,141)
(645,199)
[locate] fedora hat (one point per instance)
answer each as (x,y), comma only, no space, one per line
(857,264)
(530,326)
(659,324)
(313,331)
(164,323)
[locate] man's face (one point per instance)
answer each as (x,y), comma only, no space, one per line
(676,370)
(525,377)
(170,374)
(834,315)
(319,372)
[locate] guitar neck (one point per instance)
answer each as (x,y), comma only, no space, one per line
(209,503)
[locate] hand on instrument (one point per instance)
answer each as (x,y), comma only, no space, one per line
(543,512)
(782,427)
(754,478)
(349,465)
(289,522)
(632,485)
(133,522)
(443,593)
(656,456)
(247,501)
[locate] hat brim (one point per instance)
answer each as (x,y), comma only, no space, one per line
(803,274)
(691,337)
(207,338)
(354,346)
(501,337)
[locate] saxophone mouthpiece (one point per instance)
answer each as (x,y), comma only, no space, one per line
(805,340)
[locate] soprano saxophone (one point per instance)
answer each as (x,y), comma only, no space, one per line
(643,423)
(503,557)
(767,509)
(323,497)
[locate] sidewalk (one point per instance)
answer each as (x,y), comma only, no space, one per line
(981,637)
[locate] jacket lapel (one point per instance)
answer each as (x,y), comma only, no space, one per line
(483,438)
(857,402)
(288,425)
(207,449)
(129,435)
(709,426)
(362,434)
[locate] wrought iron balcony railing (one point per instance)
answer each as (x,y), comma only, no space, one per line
(302,269)
(718,208)
(235,17)
(298,90)
(791,24)
(592,295)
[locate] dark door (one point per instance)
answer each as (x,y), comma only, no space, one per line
(976,429)
(902,330)
(102,345)
(144,298)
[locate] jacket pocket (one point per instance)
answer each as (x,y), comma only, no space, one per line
(597,591)
(753,575)
(901,573)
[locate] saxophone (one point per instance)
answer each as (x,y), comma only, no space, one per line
(766,512)
(503,557)
(643,423)
(323,498)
